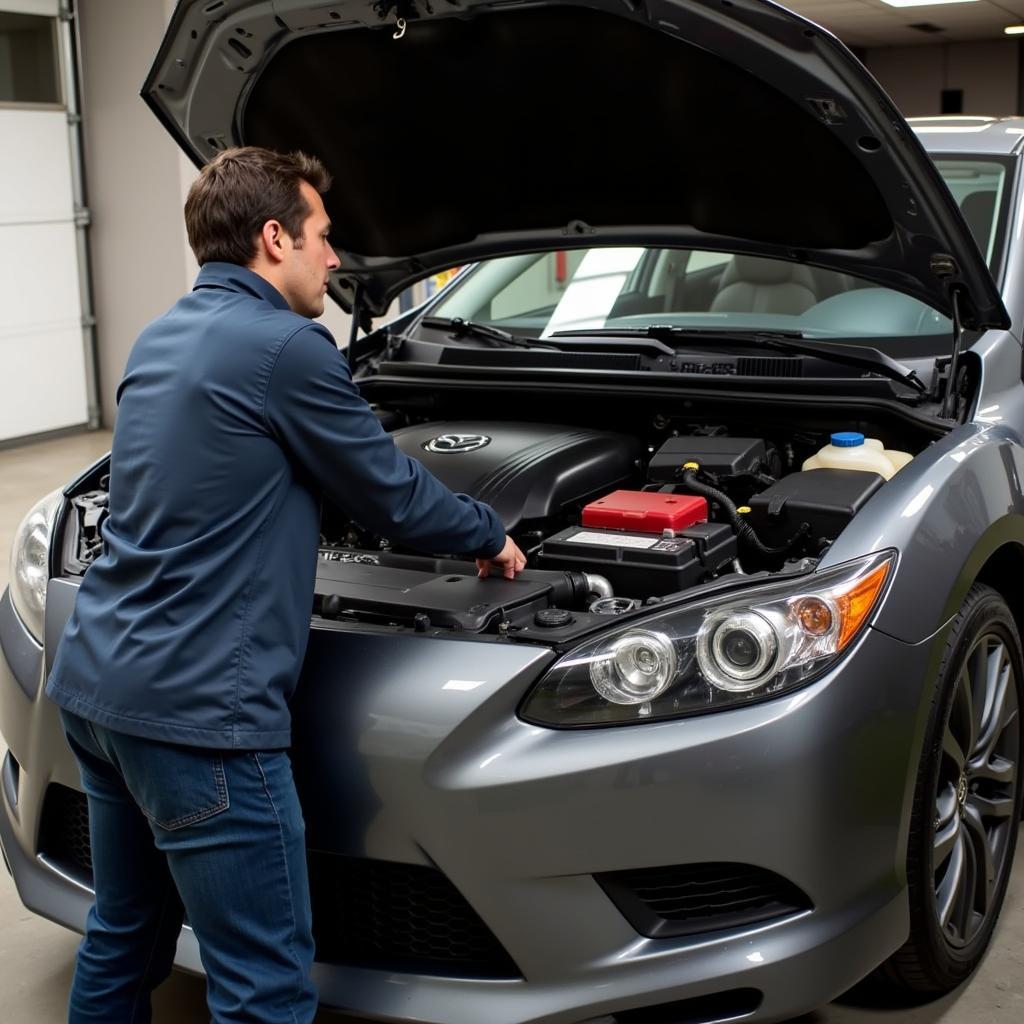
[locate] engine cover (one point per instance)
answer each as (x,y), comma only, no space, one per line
(524,471)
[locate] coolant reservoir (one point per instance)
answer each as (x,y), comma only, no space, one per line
(850,450)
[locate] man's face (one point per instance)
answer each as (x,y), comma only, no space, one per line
(307,265)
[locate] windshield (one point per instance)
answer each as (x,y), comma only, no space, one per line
(539,295)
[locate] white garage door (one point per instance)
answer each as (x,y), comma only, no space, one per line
(42,357)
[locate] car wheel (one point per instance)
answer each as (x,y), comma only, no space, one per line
(967,802)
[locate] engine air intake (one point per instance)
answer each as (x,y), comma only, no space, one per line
(383,914)
(690,899)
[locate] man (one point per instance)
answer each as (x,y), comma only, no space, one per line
(236,413)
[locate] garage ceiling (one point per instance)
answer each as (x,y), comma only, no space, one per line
(873,23)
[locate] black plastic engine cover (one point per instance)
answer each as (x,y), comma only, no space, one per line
(723,456)
(825,499)
(525,471)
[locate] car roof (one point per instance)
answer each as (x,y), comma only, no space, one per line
(969,134)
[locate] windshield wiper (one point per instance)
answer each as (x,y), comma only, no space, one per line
(470,328)
(863,357)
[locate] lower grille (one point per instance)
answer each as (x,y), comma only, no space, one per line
(366,912)
(691,899)
(64,832)
(713,1009)
(382,914)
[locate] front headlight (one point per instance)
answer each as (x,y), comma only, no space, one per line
(30,562)
(730,651)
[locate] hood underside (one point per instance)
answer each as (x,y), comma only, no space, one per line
(485,131)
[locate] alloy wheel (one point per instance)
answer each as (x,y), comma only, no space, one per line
(977,789)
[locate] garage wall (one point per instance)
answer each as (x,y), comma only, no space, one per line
(133,176)
(137,180)
(914,76)
(42,356)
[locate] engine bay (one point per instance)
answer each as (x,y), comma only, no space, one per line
(609,522)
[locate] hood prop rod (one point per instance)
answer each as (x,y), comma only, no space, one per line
(356,314)
(949,399)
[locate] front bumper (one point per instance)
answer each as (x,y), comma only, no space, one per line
(407,749)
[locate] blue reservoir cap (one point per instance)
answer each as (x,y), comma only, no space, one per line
(847,439)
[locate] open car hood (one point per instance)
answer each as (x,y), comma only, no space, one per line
(494,128)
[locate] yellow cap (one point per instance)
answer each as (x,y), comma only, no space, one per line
(691,465)
(743,509)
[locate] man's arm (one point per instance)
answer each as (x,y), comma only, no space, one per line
(315,411)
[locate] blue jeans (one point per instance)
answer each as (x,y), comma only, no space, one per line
(224,830)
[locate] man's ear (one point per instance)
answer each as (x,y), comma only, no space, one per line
(272,241)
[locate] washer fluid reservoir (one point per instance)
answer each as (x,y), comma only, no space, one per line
(850,450)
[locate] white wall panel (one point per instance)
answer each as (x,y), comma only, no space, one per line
(42,361)
(35,166)
(38,276)
(42,386)
(44,7)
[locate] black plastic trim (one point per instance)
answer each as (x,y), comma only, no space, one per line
(10,775)
(873,387)
(60,601)
(393,389)
(721,887)
(732,1004)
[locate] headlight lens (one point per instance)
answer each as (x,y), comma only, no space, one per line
(737,650)
(636,668)
(730,651)
(30,569)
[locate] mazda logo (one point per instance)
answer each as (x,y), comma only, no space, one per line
(450,444)
(961,790)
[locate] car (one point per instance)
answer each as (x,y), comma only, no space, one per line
(735,355)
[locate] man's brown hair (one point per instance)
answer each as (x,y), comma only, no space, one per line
(238,191)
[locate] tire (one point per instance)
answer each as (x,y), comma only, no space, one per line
(967,801)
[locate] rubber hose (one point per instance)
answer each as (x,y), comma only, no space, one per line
(744,531)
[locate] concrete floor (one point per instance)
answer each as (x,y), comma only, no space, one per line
(37,957)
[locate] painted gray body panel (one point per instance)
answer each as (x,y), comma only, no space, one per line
(20,647)
(995,135)
(950,509)
(519,817)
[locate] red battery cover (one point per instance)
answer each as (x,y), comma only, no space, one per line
(645,511)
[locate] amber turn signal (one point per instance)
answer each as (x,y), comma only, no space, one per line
(856,604)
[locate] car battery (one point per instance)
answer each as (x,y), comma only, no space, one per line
(642,564)
(645,511)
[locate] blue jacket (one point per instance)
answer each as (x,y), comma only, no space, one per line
(234,416)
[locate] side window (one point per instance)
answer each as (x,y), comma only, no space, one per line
(29,61)
(977,187)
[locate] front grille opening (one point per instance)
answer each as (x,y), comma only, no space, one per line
(713,1009)
(365,912)
(691,899)
(64,832)
(399,916)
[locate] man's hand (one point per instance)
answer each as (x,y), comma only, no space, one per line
(509,560)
